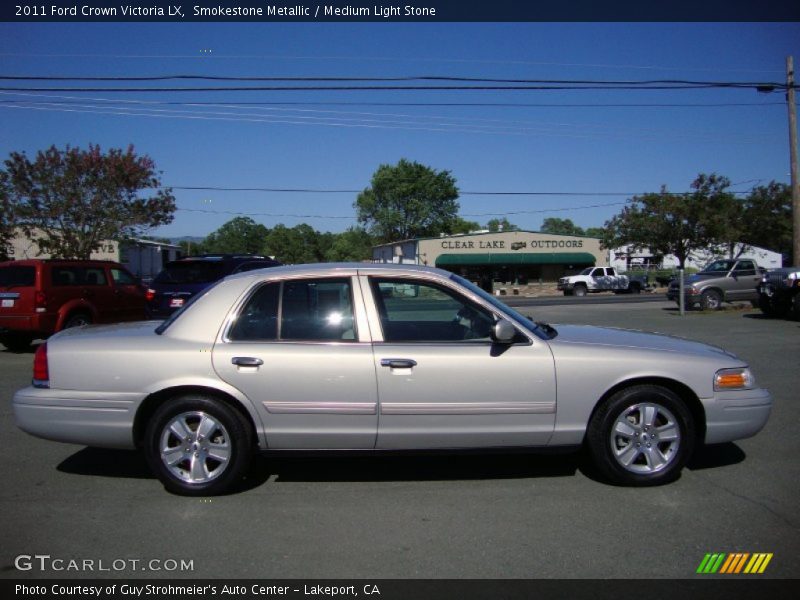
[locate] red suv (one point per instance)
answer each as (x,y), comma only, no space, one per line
(39,297)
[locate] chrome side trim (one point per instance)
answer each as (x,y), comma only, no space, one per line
(467,408)
(330,408)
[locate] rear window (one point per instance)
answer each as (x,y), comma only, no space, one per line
(17,276)
(191,272)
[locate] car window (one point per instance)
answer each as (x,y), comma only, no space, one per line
(17,276)
(121,277)
(718,266)
(191,271)
(415,311)
(301,310)
(88,276)
(745,267)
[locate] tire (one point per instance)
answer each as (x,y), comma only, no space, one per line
(15,342)
(621,435)
(194,464)
(77,319)
(795,308)
(635,288)
(711,300)
(579,291)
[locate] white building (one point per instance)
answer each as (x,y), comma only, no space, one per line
(625,258)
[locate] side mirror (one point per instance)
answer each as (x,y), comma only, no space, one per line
(503,332)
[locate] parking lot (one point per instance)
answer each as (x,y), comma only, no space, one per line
(472,516)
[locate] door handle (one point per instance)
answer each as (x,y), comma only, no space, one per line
(398,363)
(247,361)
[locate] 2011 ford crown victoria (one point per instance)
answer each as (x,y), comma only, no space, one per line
(374,357)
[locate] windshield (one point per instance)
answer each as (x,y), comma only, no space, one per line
(587,271)
(533,327)
(17,276)
(719,266)
(174,316)
(191,271)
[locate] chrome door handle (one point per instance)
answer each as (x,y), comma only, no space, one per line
(398,363)
(247,361)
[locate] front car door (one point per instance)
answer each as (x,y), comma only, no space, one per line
(299,349)
(442,382)
(746,278)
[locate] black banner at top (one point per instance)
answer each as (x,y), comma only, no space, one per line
(399,11)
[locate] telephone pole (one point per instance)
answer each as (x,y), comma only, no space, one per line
(790,101)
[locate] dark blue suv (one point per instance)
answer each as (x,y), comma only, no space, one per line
(183,278)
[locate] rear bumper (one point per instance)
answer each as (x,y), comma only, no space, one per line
(736,415)
(40,325)
(102,419)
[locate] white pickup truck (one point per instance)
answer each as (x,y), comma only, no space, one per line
(602,279)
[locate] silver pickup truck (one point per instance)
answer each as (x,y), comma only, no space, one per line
(726,280)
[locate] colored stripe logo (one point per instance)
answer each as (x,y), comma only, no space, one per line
(734,563)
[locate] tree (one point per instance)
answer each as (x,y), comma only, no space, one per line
(299,244)
(408,200)
(595,232)
(463,226)
(355,244)
(560,226)
(241,235)
(8,217)
(767,218)
(676,224)
(503,224)
(71,200)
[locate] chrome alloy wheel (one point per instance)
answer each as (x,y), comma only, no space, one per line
(645,438)
(195,447)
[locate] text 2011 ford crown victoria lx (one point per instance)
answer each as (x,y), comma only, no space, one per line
(370,357)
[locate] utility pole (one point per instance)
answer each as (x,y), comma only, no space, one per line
(790,100)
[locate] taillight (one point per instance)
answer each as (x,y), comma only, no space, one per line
(41,299)
(41,372)
(149,294)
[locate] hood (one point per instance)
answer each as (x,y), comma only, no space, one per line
(635,340)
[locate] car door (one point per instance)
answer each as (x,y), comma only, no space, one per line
(745,280)
(442,382)
(128,295)
(299,349)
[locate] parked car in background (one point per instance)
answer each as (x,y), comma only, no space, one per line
(39,297)
(602,279)
(725,280)
(364,357)
(181,279)
(779,293)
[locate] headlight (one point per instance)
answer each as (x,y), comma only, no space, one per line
(734,379)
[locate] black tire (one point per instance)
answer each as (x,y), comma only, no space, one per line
(225,452)
(635,288)
(711,300)
(16,342)
(622,427)
(579,291)
(795,308)
(77,319)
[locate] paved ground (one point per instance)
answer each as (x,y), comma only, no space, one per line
(500,516)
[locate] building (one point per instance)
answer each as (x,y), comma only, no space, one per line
(627,258)
(516,257)
(143,258)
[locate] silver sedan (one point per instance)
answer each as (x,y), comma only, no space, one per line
(376,357)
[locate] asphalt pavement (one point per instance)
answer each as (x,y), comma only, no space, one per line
(472,516)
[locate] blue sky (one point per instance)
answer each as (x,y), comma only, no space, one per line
(547,142)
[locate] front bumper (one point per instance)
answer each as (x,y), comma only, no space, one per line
(736,415)
(101,419)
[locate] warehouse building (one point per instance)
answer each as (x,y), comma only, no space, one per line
(512,257)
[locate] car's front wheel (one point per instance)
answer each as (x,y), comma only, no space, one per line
(198,446)
(643,435)
(711,300)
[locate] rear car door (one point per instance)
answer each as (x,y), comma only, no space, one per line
(442,382)
(299,349)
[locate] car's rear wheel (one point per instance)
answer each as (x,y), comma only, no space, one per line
(198,446)
(643,435)
(77,319)
(711,300)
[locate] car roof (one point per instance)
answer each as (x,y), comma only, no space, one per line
(344,268)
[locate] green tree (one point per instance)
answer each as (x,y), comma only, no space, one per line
(560,226)
(767,219)
(595,232)
(74,199)
(8,217)
(295,245)
(502,224)
(355,244)
(241,235)
(463,226)
(408,200)
(676,224)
